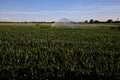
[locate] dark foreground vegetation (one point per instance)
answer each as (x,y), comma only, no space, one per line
(34,52)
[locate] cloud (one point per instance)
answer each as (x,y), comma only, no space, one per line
(4,18)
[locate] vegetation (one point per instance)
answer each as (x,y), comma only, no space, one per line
(30,51)
(97,21)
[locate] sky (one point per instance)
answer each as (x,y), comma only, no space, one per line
(52,10)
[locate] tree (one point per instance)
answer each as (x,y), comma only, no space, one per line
(109,21)
(86,21)
(26,22)
(96,21)
(91,21)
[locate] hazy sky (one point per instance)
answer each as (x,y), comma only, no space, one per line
(51,10)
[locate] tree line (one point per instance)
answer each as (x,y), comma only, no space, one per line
(97,21)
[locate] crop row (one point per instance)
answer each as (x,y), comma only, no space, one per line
(45,53)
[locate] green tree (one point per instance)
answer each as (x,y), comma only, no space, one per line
(96,21)
(86,21)
(109,21)
(91,21)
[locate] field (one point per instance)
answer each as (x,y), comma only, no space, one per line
(36,51)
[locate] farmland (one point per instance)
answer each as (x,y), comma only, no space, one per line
(30,51)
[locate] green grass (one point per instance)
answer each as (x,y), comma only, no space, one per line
(103,25)
(106,25)
(26,24)
(34,52)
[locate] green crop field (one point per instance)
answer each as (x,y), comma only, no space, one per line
(38,52)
